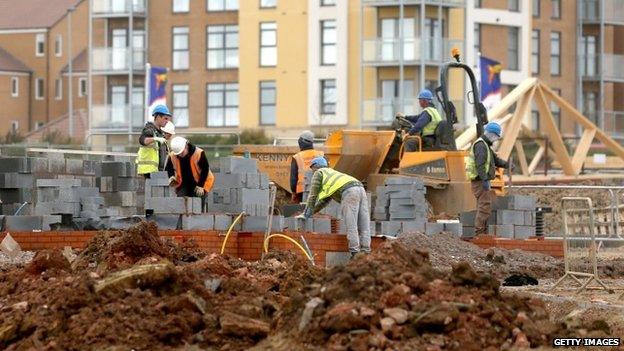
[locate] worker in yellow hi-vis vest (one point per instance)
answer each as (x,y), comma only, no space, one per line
(300,164)
(328,184)
(424,124)
(152,143)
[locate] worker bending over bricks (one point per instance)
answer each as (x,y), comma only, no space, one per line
(328,184)
(188,170)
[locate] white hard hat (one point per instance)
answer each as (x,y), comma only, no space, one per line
(178,144)
(169,128)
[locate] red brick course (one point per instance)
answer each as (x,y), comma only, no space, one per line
(549,247)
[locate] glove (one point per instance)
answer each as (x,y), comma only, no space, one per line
(486,185)
(159,139)
(399,115)
(173,181)
(301,216)
(199,191)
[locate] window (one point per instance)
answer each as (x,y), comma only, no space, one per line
(556,8)
(268,3)
(513,5)
(512,49)
(389,29)
(535,8)
(39,89)
(222,47)
(180,105)
(328,42)
(328,97)
(14,126)
(589,62)
(40,44)
(181,5)
(477,43)
(328,2)
(590,105)
(535,116)
(82,87)
(268,44)
(556,110)
(535,51)
(268,94)
(14,86)
(58,46)
(222,104)
(180,48)
(555,53)
(58,89)
(222,5)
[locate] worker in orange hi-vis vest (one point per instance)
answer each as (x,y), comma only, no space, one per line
(300,164)
(188,169)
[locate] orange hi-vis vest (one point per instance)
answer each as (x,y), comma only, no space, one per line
(303,159)
(194,169)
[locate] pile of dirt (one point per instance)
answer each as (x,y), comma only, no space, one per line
(48,260)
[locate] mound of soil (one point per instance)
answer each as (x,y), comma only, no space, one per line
(48,260)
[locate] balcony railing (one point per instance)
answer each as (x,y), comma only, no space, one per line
(387,51)
(381,112)
(614,123)
(613,11)
(589,67)
(117,59)
(116,117)
(414,2)
(118,7)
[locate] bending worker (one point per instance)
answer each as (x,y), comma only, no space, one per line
(481,169)
(328,184)
(188,169)
(300,164)
(153,149)
(424,124)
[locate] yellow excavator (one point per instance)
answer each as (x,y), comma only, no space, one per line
(371,156)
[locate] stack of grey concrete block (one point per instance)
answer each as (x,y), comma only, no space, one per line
(16,183)
(400,206)
(121,189)
(512,217)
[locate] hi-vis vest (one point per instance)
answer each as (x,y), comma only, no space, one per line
(471,167)
(303,159)
(435,120)
(332,181)
(194,169)
(147,158)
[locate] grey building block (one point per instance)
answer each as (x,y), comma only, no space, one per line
(514,217)
(89,167)
(403,180)
(322,225)
(125,184)
(416,226)
(122,223)
(264,181)
(158,175)
(158,191)
(225,181)
(166,222)
(333,259)
(455,228)
(56,165)
(515,202)
(238,165)
(91,207)
(57,207)
(11,209)
(252,196)
(74,166)
(523,231)
(502,230)
(433,228)
(277,224)
(58,183)
(157,181)
(468,218)
(254,224)
(127,198)
(14,165)
(167,205)
(193,205)
(293,224)
(39,165)
(252,180)
(529,218)
(16,195)
(23,223)
(47,222)
(198,222)
(390,228)
(468,232)
(68,195)
(114,169)
(223,222)
(16,180)
(105,184)
(404,202)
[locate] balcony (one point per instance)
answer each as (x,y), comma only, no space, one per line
(613,11)
(386,51)
(589,67)
(381,112)
(118,8)
(117,60)
(450,3)
(115,117)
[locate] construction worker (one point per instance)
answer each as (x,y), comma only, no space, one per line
(328,184)
(188,169)
(481,169)
(300,164)
(424,124)
(153,149)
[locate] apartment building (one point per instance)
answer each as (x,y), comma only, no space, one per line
(34,54)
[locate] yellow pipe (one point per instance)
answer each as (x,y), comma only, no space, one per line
(266,244)
(230,231)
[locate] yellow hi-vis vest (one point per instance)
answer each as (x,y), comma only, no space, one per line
(147,158)
(303,160)
(332,181)
(471,167)
(435,120)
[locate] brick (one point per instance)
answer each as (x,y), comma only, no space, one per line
(433,228)
(238,165)
(523,232)
(58,183)
(23,223)
(166,222)
(16,180)
(503,231)
(514,217)
(198,222)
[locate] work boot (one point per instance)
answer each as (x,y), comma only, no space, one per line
(353,254)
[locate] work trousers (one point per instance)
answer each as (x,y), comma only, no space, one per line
(428,143)
(484,206)
(354,207)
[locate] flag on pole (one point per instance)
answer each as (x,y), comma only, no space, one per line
(490,82)
(157,87)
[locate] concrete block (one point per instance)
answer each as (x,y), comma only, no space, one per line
(529,218)
(252,180)
(56,165)
(468,232)
(74,166)
(158,175)
(523,231)
(254,224)
(455,228)
(380,216)
(89,167)
(391,228)
(105,184)
(416,226)
(115,169)
(16,180)
(322,225)
(515,202)
(23,223)
(502,230)
(222,222)
(125,184)
(402,180)
(292,224)
(39,165)
(16,195)
(11,209)
(57,207)
(198,221)
(48,222)
(158,191)
(166,222)
(193,205)
(225,181)
(58,183)
(514,217)
(252,196)
(238,165)
(157,181)
(277,224)
(333,259)
(14,165)
(264,181)
(167,205)
(68,195)
(433,228)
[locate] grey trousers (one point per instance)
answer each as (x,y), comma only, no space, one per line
(354,208)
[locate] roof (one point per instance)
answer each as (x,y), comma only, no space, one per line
(80,63)
(8,63)
(29,14)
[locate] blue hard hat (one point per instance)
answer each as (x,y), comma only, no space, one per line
(161,110)
(494,128)
(319,162)
(425,94)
